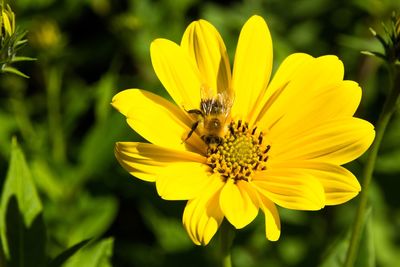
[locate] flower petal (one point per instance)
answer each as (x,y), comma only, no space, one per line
(272,220)
(147,161)
(340,185)
(252,67)
(177,73)
(285,73)
(239,203)
(337,141)
(147,113)
(182,181)
(290,189)
(206,47)
(202,215)
(336,101)
(313,76)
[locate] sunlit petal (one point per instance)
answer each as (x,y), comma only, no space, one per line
(148,113)
(337,142)
(147,161)
(314,75)
(339,100)
(252,67)
(238,203)
(272,220)
(182,181)
(206,47)
(340,185)
(290,189)
(176,72)
(202,215)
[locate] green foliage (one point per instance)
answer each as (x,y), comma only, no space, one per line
(366,254)
(95,255)
(11,40)
(65,255)
(20,204)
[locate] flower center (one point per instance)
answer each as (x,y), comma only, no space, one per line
(240,153)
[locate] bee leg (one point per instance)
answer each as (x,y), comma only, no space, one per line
(194,127)
(195,111)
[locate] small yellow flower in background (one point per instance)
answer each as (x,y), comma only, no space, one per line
(46,35)
(236,142)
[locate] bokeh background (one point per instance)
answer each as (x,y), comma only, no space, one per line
(88,50)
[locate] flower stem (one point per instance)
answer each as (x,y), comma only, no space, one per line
(384,118)
(54,78)
(227,236)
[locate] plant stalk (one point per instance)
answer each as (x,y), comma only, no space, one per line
(226,241)
(384,118)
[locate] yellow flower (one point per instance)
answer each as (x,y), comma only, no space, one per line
(283,143)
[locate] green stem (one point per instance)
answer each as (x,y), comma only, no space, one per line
(384,118)
(53,86)
(227,235)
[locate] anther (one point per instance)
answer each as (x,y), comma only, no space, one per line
(260,138)
(231,130)
(254,130)
(267,149)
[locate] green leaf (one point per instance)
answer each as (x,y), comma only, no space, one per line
(95,255)
(18,59)
(18,184)
(169,232)
(27,245)
(93,217)
(65,255)
(104,92)
(388,162)
(14,71)
(366,253)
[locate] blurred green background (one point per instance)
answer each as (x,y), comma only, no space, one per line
(88,50)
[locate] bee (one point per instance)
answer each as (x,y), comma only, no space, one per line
(212,115)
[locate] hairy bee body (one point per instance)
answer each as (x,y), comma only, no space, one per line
(210,118)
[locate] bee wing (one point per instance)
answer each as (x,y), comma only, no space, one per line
(212,102)
(226,99)
(207,97)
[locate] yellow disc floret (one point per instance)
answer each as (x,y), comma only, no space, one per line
(240,153)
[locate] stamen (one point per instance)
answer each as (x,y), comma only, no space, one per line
(240,153)
(254,130)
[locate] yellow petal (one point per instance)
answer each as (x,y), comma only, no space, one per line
(336,101)
(202,215)
(252,66)
(290,189)
(206,47)
(340,185)
(156,119)
(239,203)
(308,80)
(285,73)
(176,72)
(272,220)
(337,141)
(147,161)
(182,181)
(6,23)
